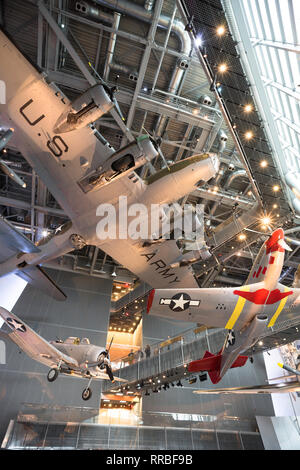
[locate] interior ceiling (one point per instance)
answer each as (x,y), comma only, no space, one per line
(161,93)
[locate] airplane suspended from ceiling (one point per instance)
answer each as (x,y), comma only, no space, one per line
(73,356)
(246,312)
(82,171)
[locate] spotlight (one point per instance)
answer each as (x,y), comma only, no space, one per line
(263,163)
(198,41)
(248,108)
(223,68)
(221,30)
(249,135)
(266,220)
(242,237)
(276,188)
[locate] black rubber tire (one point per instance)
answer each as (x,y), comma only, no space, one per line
(52,375)
(86,394)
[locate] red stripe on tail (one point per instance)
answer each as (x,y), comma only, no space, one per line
(150,300)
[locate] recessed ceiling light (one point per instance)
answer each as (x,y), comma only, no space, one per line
(276,188)
(249,135)
(264,163)
(248,108)
(221,30)
(223,68)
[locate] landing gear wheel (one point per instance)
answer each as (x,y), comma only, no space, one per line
(52,375)
(86,394)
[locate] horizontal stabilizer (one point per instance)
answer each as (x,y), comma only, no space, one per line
(11,238)
(211,363)
(39,279)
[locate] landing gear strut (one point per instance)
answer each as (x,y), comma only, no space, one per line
(53,373)
(87,392)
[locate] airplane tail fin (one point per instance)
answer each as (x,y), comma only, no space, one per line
(37,277)
(268,264)
(211,363)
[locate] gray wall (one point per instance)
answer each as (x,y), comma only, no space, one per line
(85,313)
(183,400)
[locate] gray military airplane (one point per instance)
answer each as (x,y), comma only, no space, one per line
(83,171)
(73,356)
(280,387)
(246,312)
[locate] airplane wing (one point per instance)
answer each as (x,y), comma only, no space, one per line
(33,344)
(255,389)
(13,240)
(152,264)
(103,376)
(34,107)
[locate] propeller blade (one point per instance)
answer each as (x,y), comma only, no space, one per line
(118,109)
(6,138)
(11,174)
(110,343)
(288,368)
(109,372)
(157,142)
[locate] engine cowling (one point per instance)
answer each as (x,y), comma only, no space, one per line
(130,157)
(85,109)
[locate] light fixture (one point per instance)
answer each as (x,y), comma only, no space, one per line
(45,233)
(242,237)
(249,135)
(221,30)
(275,206)
(263,163)
(114,274)
(222,68)
(248,108)
(198,41)
(276,188)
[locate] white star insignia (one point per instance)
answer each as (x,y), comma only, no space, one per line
(179,303)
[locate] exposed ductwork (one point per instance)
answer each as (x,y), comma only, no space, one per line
(233,176)
(146,15)
(111,45)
